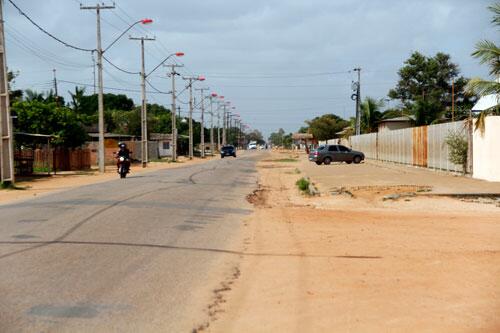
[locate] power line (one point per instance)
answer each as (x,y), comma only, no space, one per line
(29,46)
(156,89)
(46,32)
(118,68)
(108,88)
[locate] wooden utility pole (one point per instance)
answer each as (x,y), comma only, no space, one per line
(144,112)
(100,97)
(172,74)
(6,132)
(202,134)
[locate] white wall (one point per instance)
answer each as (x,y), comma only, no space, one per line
(487,151)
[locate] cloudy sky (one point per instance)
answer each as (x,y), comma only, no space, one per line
(279,62)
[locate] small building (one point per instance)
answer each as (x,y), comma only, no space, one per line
(395,123)
(164,143)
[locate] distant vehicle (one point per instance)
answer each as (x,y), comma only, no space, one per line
(335,153)
(227,151)
(252,145)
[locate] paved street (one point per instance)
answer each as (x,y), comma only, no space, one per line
(141,254)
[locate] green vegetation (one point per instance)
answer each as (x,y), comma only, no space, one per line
(279,138)
(458,147)
(424,88)
(303,184)
(326,126)
(488,53)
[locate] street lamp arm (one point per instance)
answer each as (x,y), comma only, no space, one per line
(178,54)
(123,33)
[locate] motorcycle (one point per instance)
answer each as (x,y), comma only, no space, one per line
(123,166)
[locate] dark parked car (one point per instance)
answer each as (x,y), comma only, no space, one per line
(228,151)
(335,153)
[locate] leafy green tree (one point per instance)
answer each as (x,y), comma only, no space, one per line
(255,135)
(429,79)
(326,126)
(277,138)
(14,94)
(39,117)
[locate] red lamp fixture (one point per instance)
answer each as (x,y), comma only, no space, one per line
(179,54)
(214,95)
(201,78)
(146,21)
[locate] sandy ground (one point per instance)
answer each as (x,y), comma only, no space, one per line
(352,262)
(36,186)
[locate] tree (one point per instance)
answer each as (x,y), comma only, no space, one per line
(488,53)
(255,135)
(326,126)
(277,138)
(370,114)
(14,94)
(428,79)
(39,117)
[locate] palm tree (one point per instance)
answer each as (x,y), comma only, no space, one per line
(488,53)
(370,114)
(31,95)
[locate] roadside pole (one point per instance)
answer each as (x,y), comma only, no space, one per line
(144,113)
(100,89)
(212,125)
(172,74)
(7,174)
(202,137)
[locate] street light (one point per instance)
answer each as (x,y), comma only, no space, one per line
(100,97)
(190,86)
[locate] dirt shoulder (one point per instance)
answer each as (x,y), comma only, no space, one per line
(36,186)
(360,263)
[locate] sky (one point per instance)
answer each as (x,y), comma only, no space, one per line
(279,62)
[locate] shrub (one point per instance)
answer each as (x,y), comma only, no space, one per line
(303,184)
(458,147)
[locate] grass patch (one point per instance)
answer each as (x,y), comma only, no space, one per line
(10,186)
(303,184)
(283,160)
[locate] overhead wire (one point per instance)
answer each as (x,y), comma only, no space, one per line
(119,68)
(46,32)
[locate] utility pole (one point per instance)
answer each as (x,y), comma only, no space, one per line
(172,74)
(93,71)
(212,125)
(55,87)
(144,112)
(357,96)
(224,142)
(218,126)
(6,135)
(452,99)
(100,99)
(190,86)
(202,137)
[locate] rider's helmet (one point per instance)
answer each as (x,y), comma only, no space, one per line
(122,145)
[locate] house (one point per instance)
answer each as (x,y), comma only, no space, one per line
(164,143)
(395,123)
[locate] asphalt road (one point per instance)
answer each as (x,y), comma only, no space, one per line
(136,255)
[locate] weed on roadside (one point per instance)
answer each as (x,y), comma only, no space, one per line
(11,186)
(303,184)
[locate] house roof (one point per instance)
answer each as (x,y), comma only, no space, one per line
(397,119)
(487,102)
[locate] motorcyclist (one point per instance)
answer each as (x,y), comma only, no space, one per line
(123,152)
